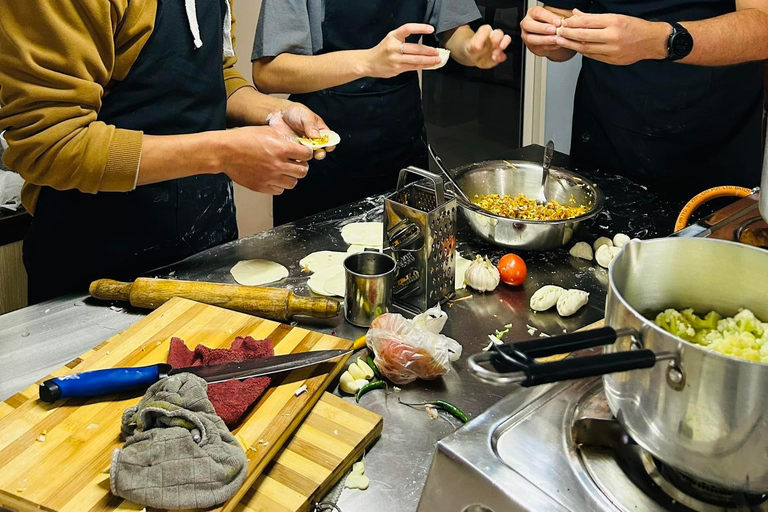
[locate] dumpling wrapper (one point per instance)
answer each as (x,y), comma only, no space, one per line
(322,259)
(355,249)
(257,272)
(571,301)
(333,140)
(319,279)
(367,234)
(462,264)
(546,297)
(444,55)
(336,283)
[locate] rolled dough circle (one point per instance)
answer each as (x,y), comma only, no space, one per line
(256,272)
(322,259)
(367,234)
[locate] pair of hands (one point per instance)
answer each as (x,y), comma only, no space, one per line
(610,38)
(485,49)
(267,158)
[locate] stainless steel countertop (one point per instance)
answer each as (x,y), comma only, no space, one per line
(39,339)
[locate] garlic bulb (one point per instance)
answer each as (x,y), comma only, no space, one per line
(482,275)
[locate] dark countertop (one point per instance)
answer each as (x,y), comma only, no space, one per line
(39,339)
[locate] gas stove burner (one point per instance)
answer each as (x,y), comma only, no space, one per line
(624,471)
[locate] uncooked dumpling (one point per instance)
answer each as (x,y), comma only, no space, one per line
(571,301)
(444,55)
(605,254)
(620,240)
(603,240)
(367,234)
(582,250)
(462,264)
(546,297)
(258,271)
(322,259)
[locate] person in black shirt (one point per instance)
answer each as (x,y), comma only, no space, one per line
(670,92)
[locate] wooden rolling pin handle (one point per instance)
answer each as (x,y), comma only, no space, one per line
(108,289)
(275,303)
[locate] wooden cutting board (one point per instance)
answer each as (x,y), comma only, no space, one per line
(332,437)
(65,472)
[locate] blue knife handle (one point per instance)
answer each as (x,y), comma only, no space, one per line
(102,382)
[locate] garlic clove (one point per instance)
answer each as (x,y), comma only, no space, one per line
(356,372)
(365,368)
(348,384)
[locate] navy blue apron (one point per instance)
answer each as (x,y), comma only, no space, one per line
(675,127)
(380,120)
(172,88)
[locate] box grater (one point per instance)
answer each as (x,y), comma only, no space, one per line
(420,233)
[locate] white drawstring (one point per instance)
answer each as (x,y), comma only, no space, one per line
(229,48)
(194,27)
(191,8)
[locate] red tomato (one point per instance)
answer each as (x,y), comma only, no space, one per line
(512,269)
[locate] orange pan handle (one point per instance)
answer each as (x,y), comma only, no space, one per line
(708,195)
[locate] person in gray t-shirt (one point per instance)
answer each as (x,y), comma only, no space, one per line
(354,63)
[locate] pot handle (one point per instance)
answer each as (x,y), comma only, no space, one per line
(516,362)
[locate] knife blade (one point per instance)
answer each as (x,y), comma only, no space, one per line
(119,380)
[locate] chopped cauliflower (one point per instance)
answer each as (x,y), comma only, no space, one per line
(743,335)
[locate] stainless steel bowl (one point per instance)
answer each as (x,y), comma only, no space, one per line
(515,177)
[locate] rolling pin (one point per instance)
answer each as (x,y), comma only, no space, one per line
(274,303)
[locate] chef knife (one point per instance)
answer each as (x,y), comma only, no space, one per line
(119,380)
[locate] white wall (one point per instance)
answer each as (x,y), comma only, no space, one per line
(254,211)
(561,84)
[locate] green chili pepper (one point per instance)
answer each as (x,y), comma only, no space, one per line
(375,368)
(442,404)
(378,384)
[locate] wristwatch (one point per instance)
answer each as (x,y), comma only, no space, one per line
(680,42)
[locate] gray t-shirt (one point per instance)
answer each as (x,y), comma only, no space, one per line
(296,26)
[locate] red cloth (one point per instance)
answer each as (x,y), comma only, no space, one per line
(232,398)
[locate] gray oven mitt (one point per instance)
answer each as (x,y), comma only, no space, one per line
(178,453)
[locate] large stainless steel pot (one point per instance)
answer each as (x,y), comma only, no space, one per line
(515,177)
(701,412)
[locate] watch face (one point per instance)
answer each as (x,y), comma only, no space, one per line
(682,44)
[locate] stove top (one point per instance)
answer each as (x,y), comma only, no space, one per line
(557,448)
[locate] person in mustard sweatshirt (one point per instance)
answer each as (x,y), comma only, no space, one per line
(115,113)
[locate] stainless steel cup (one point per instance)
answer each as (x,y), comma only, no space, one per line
(369,280)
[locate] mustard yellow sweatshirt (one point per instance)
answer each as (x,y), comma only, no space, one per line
(57,61)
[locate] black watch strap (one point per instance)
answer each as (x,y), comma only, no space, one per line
(680,42)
